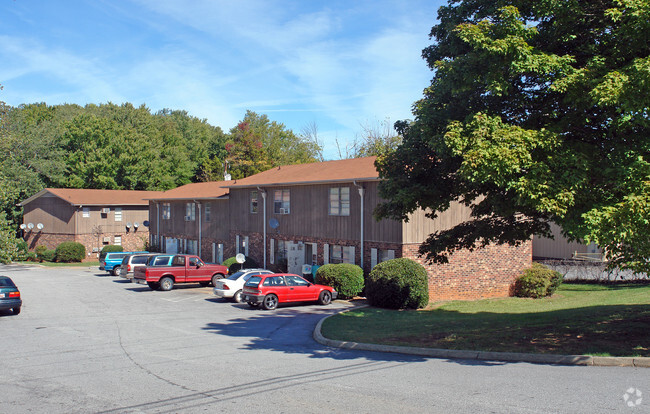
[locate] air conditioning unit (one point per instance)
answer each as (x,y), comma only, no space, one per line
(106,210)
(187,218)
(107,239)
(283,211)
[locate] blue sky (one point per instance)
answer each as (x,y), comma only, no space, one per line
(340,65)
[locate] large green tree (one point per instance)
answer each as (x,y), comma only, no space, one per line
(537,112)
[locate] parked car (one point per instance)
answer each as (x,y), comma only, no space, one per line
(132,261)
(184,269)
(112,260)
(231,287)
(271,290)
(9,295)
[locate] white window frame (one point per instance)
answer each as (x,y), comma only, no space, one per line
(86,212)
(118,213)
(339,201)
(254,197)
(282,201)
(166,211)
(117,240)
(208,211)
(190,211)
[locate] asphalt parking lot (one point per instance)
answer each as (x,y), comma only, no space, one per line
(89,342)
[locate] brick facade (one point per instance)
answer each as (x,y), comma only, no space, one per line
(484,273)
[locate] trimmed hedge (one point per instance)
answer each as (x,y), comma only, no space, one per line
(398,284)
(70,252)
(109,248)
(46,255)
(538,281)
(233,266)
(346,278)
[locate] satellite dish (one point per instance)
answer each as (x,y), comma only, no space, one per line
(30,226)
(240,258)
(146,223)
(306,268)
(274,223)
(39,226)
(135,224)
(23,226)
(128,225)
(227,177)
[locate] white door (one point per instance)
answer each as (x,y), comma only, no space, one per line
(295,257)
(171,245)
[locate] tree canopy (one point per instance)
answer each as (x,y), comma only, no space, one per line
(537,112)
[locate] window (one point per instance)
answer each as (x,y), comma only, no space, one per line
(341,254)
(208,211)
(278,251)
(281,202)
(217,252)
(190,211)
(241,244)
(379,255)
(296,281)
(253,202)
(86,212)
(118,213)
(274,281)
(191,246)
(166,211)
(117,240)
(339,201)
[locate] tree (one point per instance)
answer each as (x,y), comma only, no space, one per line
(537,112)
(376,140)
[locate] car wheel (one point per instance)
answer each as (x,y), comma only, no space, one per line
(325,297)
(215,278)
(16,311)
(114,271)
(270,302)
(237,296)
(166,283)
(153,285)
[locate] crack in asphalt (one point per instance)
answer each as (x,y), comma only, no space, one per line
(153,374)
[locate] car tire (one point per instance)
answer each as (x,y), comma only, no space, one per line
(237,296)
(114,271)
(325,297)
(16,311)
(270,302)
(215,278)
(153,285)
(166,284)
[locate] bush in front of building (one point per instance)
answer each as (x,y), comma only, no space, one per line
(345,278)
(109,248)
(538,281)
(70,252)
(233,266)
(46,255)
(398,284)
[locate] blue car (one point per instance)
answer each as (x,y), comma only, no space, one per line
(9,295)
(112,261)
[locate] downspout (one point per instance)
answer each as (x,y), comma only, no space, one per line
(263,221)
(199,205)
(361,193)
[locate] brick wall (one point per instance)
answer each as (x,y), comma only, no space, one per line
(484,273)
(132,241)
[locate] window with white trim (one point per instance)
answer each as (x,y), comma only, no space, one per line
(190,211)
(117,240)
(254,202)
(118,213)
(166,211)
(208,211)
(341,254)
(281,201)
(86,212)
(339,201)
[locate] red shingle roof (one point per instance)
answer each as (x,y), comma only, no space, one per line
(86,197)
(355,169)
(195,191)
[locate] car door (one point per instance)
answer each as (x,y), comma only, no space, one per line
(197,271)
(277,285)
(299,289)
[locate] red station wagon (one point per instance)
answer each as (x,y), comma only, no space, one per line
(270,290)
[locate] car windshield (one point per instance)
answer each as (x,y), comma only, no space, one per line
(236,275)
(253,282)
(6,282)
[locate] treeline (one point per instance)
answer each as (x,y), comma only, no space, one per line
(112,146)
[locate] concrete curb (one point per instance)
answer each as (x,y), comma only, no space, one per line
(586,360)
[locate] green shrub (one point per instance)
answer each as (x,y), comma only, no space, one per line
(229,261)
(538,281)
(398,284)
(346,278)
(39,250)
(23,250)
(109,248)
(47,255)
(31,257)
(70,252)
(233,266)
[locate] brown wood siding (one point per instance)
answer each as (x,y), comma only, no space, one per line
(107,222)
(418,228)
(56,215)
(218,227)
(557,248)
(309,214)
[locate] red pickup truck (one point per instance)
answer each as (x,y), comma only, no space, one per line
(183,269)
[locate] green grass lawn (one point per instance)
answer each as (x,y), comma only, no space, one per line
(604,320)
(52,264)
